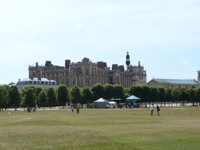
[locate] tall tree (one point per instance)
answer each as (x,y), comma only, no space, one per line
(127,92)
(75,95)
(197,95)
(38,90)
(136,90)
(97,91)
(153,94)
(28,97)
(42,98)
(14,97)
(87,95)
(169,95)
(184,95)
(3,97)
(145,93)
(63,95)
(176,95)
(161,94)
(108,91)
(51,96)
(192,93)
(119,91)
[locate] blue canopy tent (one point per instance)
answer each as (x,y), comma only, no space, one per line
(132,99)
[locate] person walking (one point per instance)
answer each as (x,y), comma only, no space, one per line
(77,109)
(151,109)
(158,110)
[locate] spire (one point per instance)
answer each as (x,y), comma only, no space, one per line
(127,59)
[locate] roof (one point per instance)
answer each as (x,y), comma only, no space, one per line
(133,97)
(112,102)
(36,81)
(101,100)
(115,99)
(176,81)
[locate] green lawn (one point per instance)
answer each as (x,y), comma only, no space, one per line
(96,129)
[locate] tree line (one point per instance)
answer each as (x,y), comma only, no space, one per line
(31,96)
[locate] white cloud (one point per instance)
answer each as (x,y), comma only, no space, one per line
(78,26)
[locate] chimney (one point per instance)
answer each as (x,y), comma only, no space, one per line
(138,63)
(67,62)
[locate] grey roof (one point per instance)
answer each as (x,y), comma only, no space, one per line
(176,81)
(36,81)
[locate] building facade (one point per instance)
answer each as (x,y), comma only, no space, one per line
(87,73)
(43,82)
(174,83)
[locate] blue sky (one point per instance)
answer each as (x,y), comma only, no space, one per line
(163,35)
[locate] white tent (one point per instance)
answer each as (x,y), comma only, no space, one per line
(100,103)
(112,104)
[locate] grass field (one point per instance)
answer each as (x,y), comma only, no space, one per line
(96,129)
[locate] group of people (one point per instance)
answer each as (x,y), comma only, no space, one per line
(152,109)
(77,109)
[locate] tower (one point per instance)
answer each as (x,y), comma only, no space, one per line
(198,78)
(127,60)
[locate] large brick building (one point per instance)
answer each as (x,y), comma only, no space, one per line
(87,73)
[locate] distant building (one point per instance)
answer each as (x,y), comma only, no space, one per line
(36,82)
(87,73)
(174,83)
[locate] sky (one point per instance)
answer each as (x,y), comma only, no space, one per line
(163,35)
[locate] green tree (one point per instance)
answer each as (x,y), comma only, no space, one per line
(42,98)
(28,97)
(161,94)
(108,91)
(87,95)
(3,97)
(38,90)
(169,95)
(97,91)
(127,92)
(136,90)
(51,96)
(153,94)
(176,95)
(192,94)
(145,96)
(75,95)
(197,95)
(118,92)
(63,95)
(184,95)
(14,97)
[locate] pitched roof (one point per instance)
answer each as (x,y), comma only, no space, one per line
(133,97)
(101,100)
(176,81)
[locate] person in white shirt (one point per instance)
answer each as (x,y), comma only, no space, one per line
(151,109)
